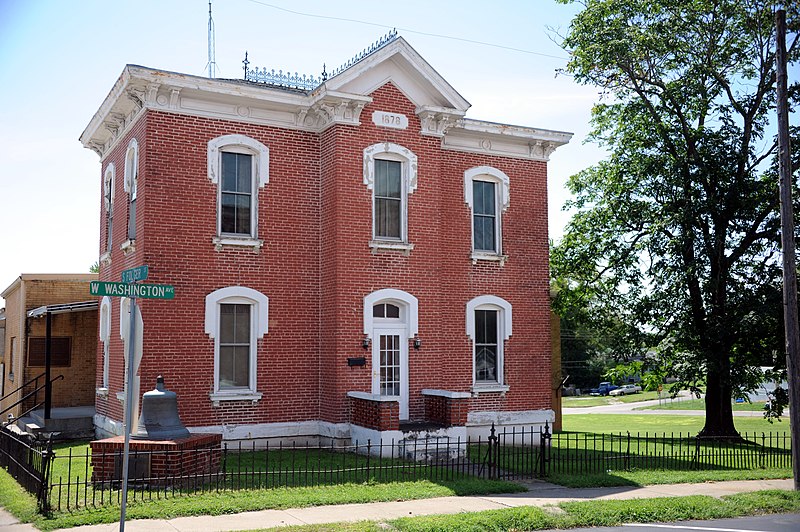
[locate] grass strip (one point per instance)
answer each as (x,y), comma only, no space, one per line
(229,502)
(584,514)
(16,500)
(653,477)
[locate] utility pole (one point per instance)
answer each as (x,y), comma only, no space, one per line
(787,242)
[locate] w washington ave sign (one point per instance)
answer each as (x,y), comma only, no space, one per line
(146,291)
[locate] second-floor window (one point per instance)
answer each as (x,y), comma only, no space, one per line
(108,203)
(484,216)
(239,166)
(390,172)
(388,209)
(486,191)
(132,184)
(236,194)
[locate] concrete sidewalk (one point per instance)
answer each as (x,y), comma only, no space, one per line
(538,494)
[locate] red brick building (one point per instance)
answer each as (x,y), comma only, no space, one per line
(347,258)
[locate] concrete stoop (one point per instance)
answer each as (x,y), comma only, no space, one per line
(69,423)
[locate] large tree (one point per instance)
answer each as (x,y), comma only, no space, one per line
(677,232)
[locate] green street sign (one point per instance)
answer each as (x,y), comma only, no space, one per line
(146,291)
(134,275)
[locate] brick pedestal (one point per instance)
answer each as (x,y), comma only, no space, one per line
(374,413)
(158,461)
(449,409)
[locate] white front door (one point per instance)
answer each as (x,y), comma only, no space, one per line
(390,365)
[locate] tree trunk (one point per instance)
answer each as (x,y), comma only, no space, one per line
(719,411)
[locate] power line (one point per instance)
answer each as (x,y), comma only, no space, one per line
(407,30)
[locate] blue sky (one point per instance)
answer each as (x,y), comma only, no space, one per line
(59,59)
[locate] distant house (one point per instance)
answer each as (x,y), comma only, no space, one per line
(63,300)
(352,257)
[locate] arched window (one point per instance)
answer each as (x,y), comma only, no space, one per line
(132,185)
(239,166)
(489,326)
(236,317)
(486,191)
(105,338)
(390,172)
(108,203)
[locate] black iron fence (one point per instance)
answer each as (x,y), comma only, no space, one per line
(77,479)
(585,453)
(27,461)
(75,483)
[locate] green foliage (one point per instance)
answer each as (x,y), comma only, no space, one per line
(622,373)
(675,235)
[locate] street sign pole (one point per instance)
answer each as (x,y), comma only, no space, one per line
(128,420)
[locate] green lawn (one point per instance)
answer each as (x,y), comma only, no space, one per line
(601,400)
(699,404)
(660,423)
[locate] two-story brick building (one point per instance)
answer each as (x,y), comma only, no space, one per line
(349,258)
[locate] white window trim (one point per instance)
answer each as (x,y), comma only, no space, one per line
(491,175)
(260,153)
(390,151)
(504,319)
(259,326)
(105,338)
(109,181)
(409,309)
(130,184)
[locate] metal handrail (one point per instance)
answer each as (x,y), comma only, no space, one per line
(12,392)
(29,394)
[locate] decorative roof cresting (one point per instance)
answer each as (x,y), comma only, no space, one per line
(309,82)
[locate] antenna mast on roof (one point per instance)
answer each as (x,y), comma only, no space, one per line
(212,62)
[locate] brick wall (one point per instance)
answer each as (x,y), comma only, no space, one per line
(316,267)
(77,388)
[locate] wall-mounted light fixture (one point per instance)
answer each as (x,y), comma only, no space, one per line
(365,342)
(417,342)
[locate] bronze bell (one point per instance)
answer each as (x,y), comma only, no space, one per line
(159,419)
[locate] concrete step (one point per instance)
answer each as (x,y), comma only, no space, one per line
(64,423)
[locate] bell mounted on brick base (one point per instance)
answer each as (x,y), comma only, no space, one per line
(159,419)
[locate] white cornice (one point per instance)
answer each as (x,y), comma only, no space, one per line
(140,88)
(339,100)
(478,136)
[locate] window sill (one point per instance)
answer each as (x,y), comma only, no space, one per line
(101,392)
(488,256)
(121,395)
(105,258)
(127,247)
(221,242)
(389,245)
(489,388)
(244,395)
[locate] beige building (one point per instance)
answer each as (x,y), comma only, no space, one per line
(31,301)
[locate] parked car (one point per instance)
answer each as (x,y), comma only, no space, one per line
(604,389)
(626,389)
